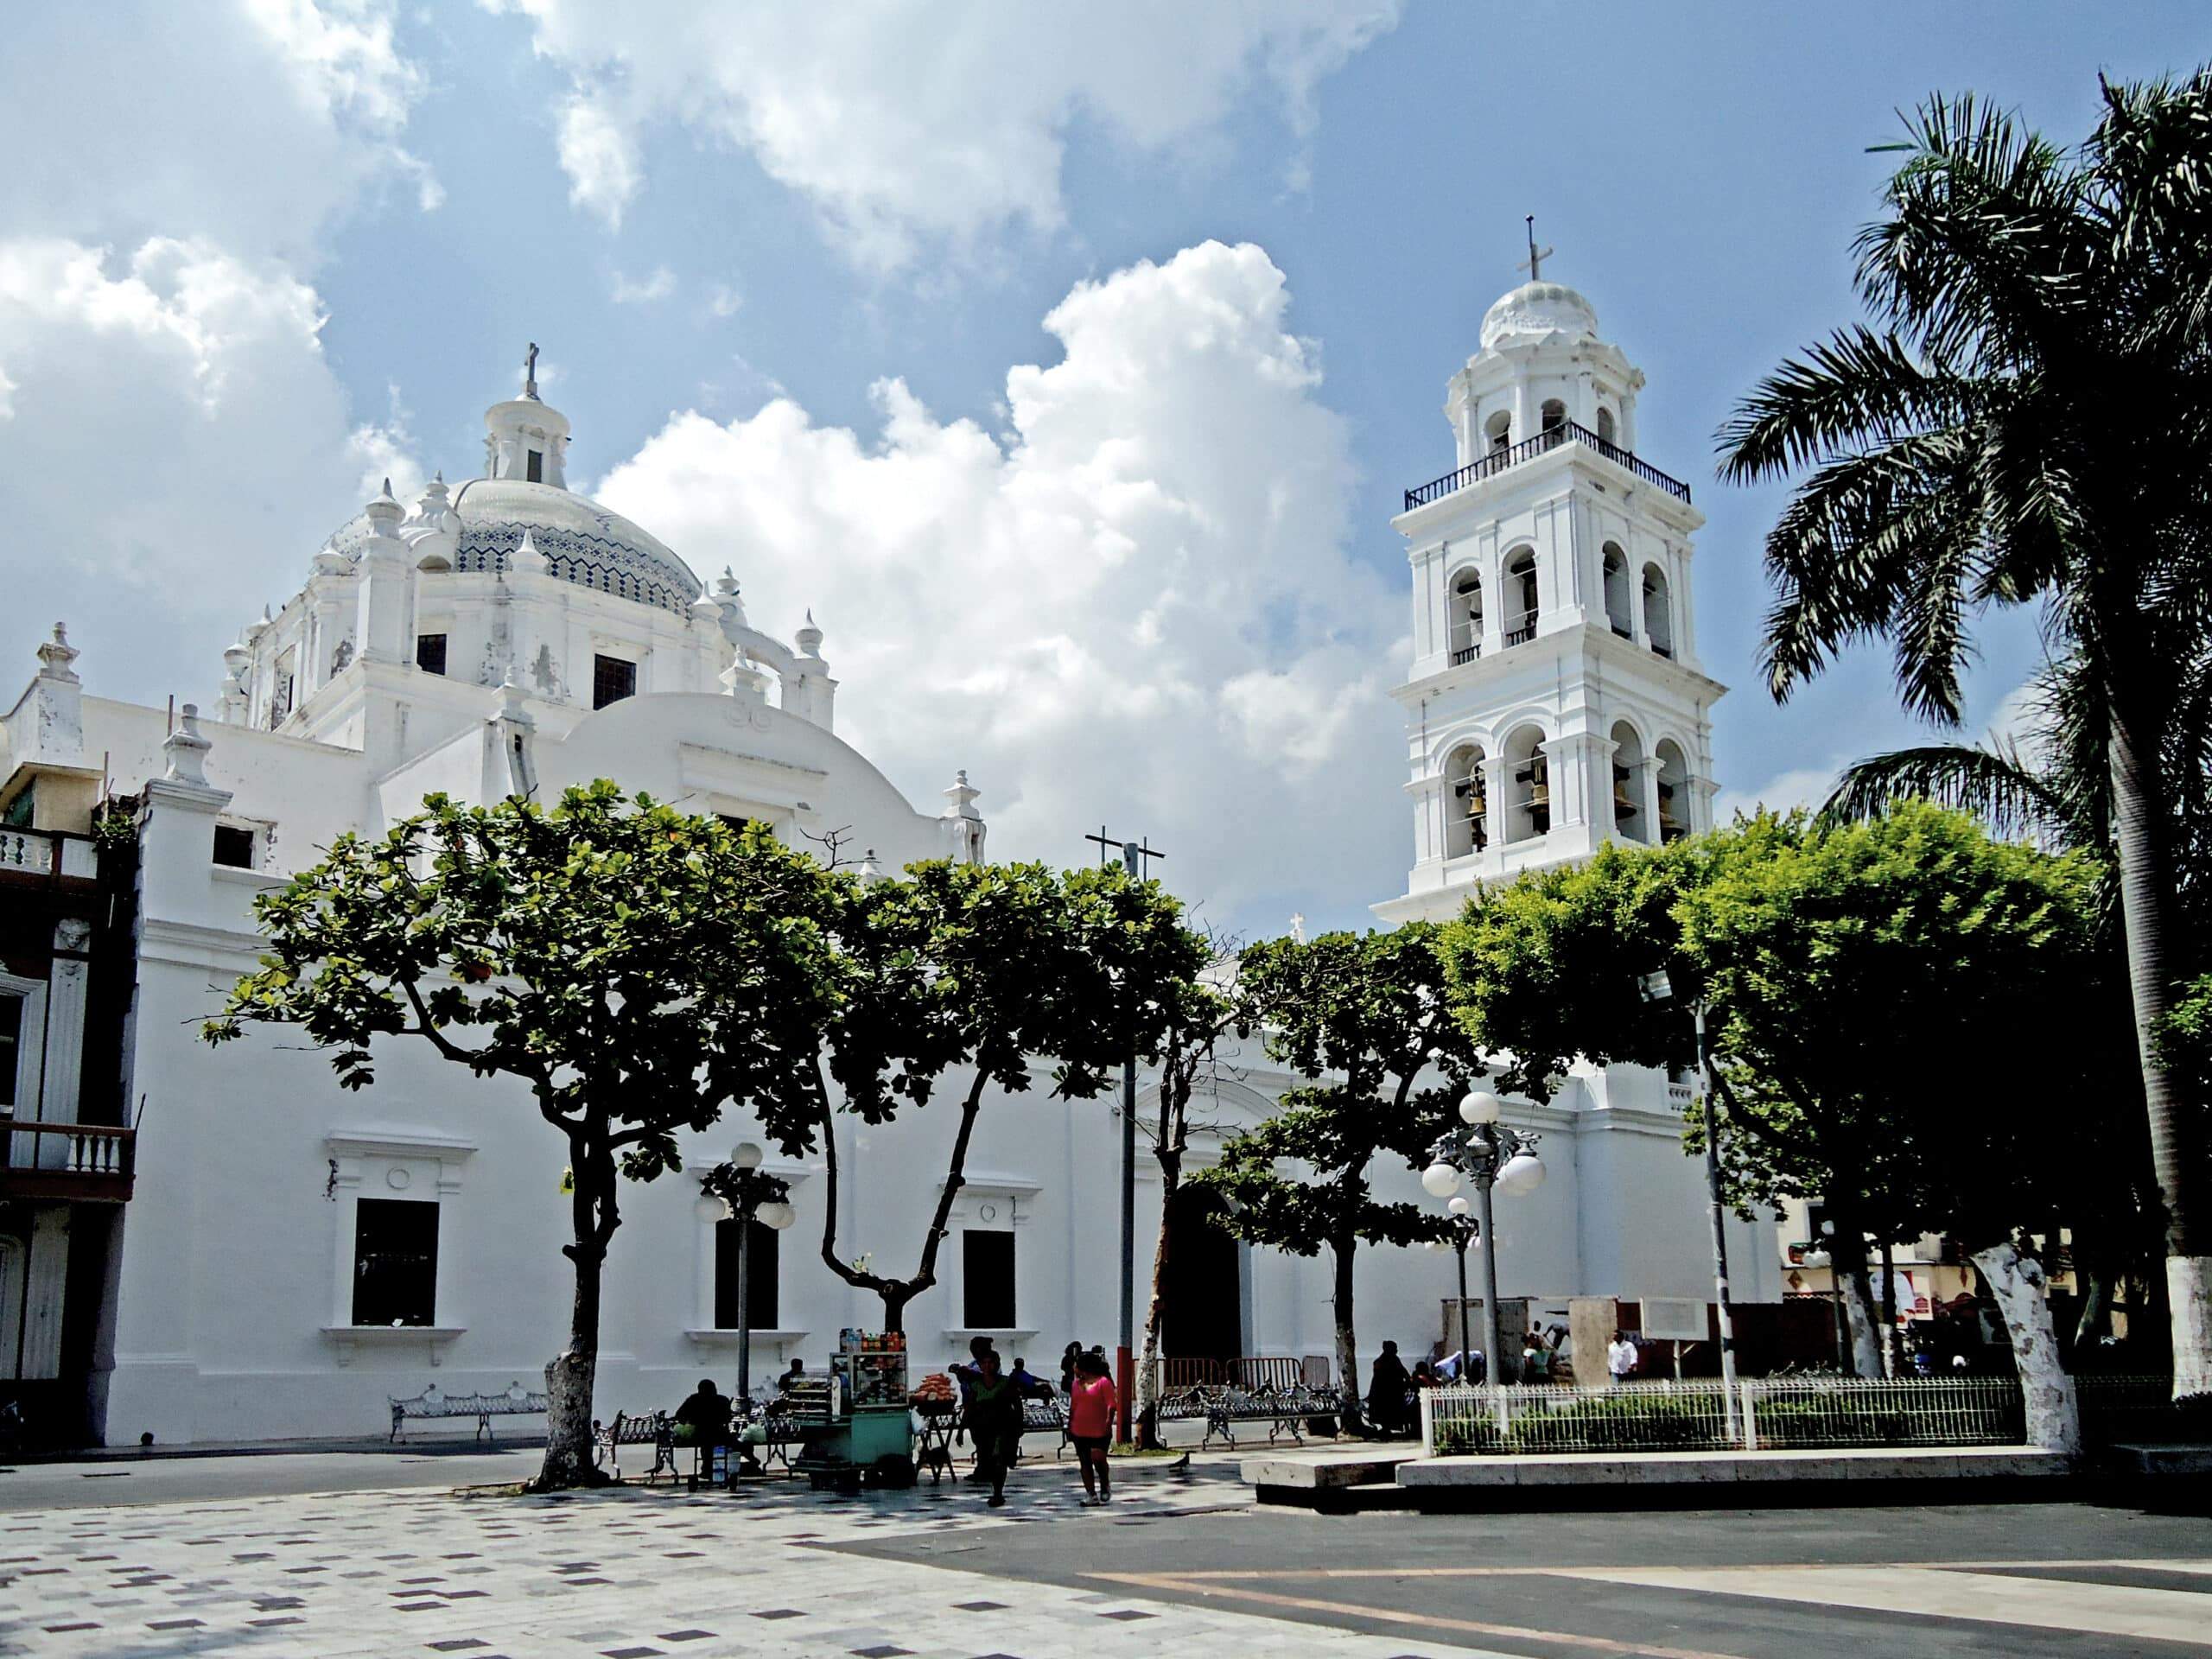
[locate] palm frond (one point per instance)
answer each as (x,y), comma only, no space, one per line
(1994,784)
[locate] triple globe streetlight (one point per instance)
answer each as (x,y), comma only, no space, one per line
(748,1193)
(1490,1155)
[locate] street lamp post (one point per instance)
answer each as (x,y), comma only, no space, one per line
(748,1193)
(1490,1155)
(1659,989)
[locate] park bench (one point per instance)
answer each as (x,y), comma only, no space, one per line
(1283,1410)
(431,1403)
(645,1428)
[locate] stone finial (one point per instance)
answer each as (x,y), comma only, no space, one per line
(964,822)
(809,637)
(384,513)
(55,656)
(186,749)
(527,558)
(871,866)
(436,500)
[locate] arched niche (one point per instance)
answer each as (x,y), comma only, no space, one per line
(1631,821)
(1528,785)
(1674,790)
(1466,642)
(1521,595)
(1620,609)
(1658,612)
(1466,808)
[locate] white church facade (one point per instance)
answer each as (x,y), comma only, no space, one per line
(205,1244)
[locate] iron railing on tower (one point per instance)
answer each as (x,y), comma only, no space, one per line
(1543,443)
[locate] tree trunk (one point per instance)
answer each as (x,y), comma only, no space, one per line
(2146,902)
(2018,1281)
(1848,1262)
(1347,1344)
(1170,1178)
(895,1307)
(1889,1307)
(569,1383)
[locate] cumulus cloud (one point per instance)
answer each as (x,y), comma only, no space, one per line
(255,125)
(905,121)
(1133,604)
(173,447)
(645,290)
(1805,786)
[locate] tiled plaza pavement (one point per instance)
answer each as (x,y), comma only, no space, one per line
(627,1573)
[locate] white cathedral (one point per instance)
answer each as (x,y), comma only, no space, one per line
(205,1244)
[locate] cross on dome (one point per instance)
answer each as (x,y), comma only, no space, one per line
(1534,264)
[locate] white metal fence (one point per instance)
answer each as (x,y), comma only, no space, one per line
(1770,1414)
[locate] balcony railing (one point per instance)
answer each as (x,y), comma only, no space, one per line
(1544,443)
(97,1161)
(48,854)
(1466,653)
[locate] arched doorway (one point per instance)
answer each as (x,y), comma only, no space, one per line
(1201,1302)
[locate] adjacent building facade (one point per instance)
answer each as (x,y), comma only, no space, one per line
(288,1256)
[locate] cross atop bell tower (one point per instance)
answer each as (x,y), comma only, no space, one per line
(1554,701)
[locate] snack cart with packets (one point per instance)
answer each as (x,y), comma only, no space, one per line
(871,1437)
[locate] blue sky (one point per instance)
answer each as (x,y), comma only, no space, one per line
(697,212)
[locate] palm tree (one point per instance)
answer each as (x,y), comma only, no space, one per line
(2030,422)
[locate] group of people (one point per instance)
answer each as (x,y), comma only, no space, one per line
(1393,1392)
(706,1417)
(991,1407)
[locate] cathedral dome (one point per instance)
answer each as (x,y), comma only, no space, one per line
(1537,311)
(581,541)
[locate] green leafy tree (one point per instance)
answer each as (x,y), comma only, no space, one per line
(1363,1020)
(635,968)
(1870,990)
(975,974)
(1966,451)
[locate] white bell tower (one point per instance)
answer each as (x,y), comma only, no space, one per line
(1555,699)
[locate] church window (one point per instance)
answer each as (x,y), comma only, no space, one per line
(1521,597)
(536,463)
(1499,430)
(761,1263)
(1555,414)
(394,1262)
(1467,618)
(1619,615)
(1658,622)
(280,696)
(987,1281)
(612,678)
(1606,429)
(21,809)
(11,1047)
(430,652)
(234,846)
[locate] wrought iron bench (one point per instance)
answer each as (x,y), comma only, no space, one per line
(1281,1410)
(650,1428)
(430,1403)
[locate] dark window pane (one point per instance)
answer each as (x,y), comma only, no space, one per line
(536,474)
(761,1276)
(430,652)
(987,1279)
(20,808)
(11,1038)
(612,680)
(394,1262)
(234,847)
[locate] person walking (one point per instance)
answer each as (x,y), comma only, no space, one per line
(1091,1425)
(1386,1393)
(993,1421)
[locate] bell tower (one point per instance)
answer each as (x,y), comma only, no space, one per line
(1555,699)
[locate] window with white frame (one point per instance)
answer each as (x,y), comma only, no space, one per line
(396,1261)
(22,1026)
(987,1279)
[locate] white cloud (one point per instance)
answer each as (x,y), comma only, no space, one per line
(725,301)
(908,120)
(175,449)
(256,124)
(1136,604)
(600,155)
(1801,787)
(646,290)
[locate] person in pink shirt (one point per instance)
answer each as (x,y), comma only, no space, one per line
(1091,1425)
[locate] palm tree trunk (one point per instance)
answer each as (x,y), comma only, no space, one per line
(2146,899)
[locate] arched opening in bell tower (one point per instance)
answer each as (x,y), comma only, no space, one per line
(1528,797)
(1629,817)
(1521,596)
(1674,791)
(1554,415)
(1619,613)
(1466,617)
(1497,431)
(1658,619)
(1606,429)
(1466,805)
